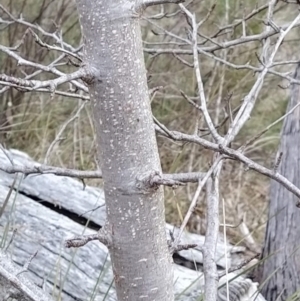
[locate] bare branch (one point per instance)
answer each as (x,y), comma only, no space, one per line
(239,22)
(211,236)
(195,199)
(40,169)
(182,247)
(234,154)
(239,266)
(249,101)
(23,62)
(201,93)
(37,84)
(35,73)
(251,140)
(103,236)
(207,15)
(223,45)
(27,263)
(277,162)
(11,272)
(175,53)
(10,240)
(190,177)
(49,47)
(80,241)
(54,36)
(43,90)
(47,169)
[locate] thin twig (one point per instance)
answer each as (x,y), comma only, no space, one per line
(233,154)
(195,199)
(200,86)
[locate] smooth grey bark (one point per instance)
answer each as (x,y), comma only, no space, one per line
(127,149)
(282,239)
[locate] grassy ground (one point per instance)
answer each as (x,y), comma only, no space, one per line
(31,121)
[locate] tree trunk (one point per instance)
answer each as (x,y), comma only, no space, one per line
(283,229)
(127,149)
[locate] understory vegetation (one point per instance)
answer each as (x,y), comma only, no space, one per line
(32,121)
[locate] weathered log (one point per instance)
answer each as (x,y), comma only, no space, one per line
(47,209)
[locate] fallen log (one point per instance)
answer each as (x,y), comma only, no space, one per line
(47,209)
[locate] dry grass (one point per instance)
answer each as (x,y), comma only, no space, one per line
(30,122)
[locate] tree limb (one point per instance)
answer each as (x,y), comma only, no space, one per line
(11,272)
(234,154)
(43,169)
(223,45)
(37,84)
(211,236)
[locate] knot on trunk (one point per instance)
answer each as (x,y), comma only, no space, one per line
(152,180)
(149,181)
(91,75)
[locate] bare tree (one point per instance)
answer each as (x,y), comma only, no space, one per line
(112,76)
